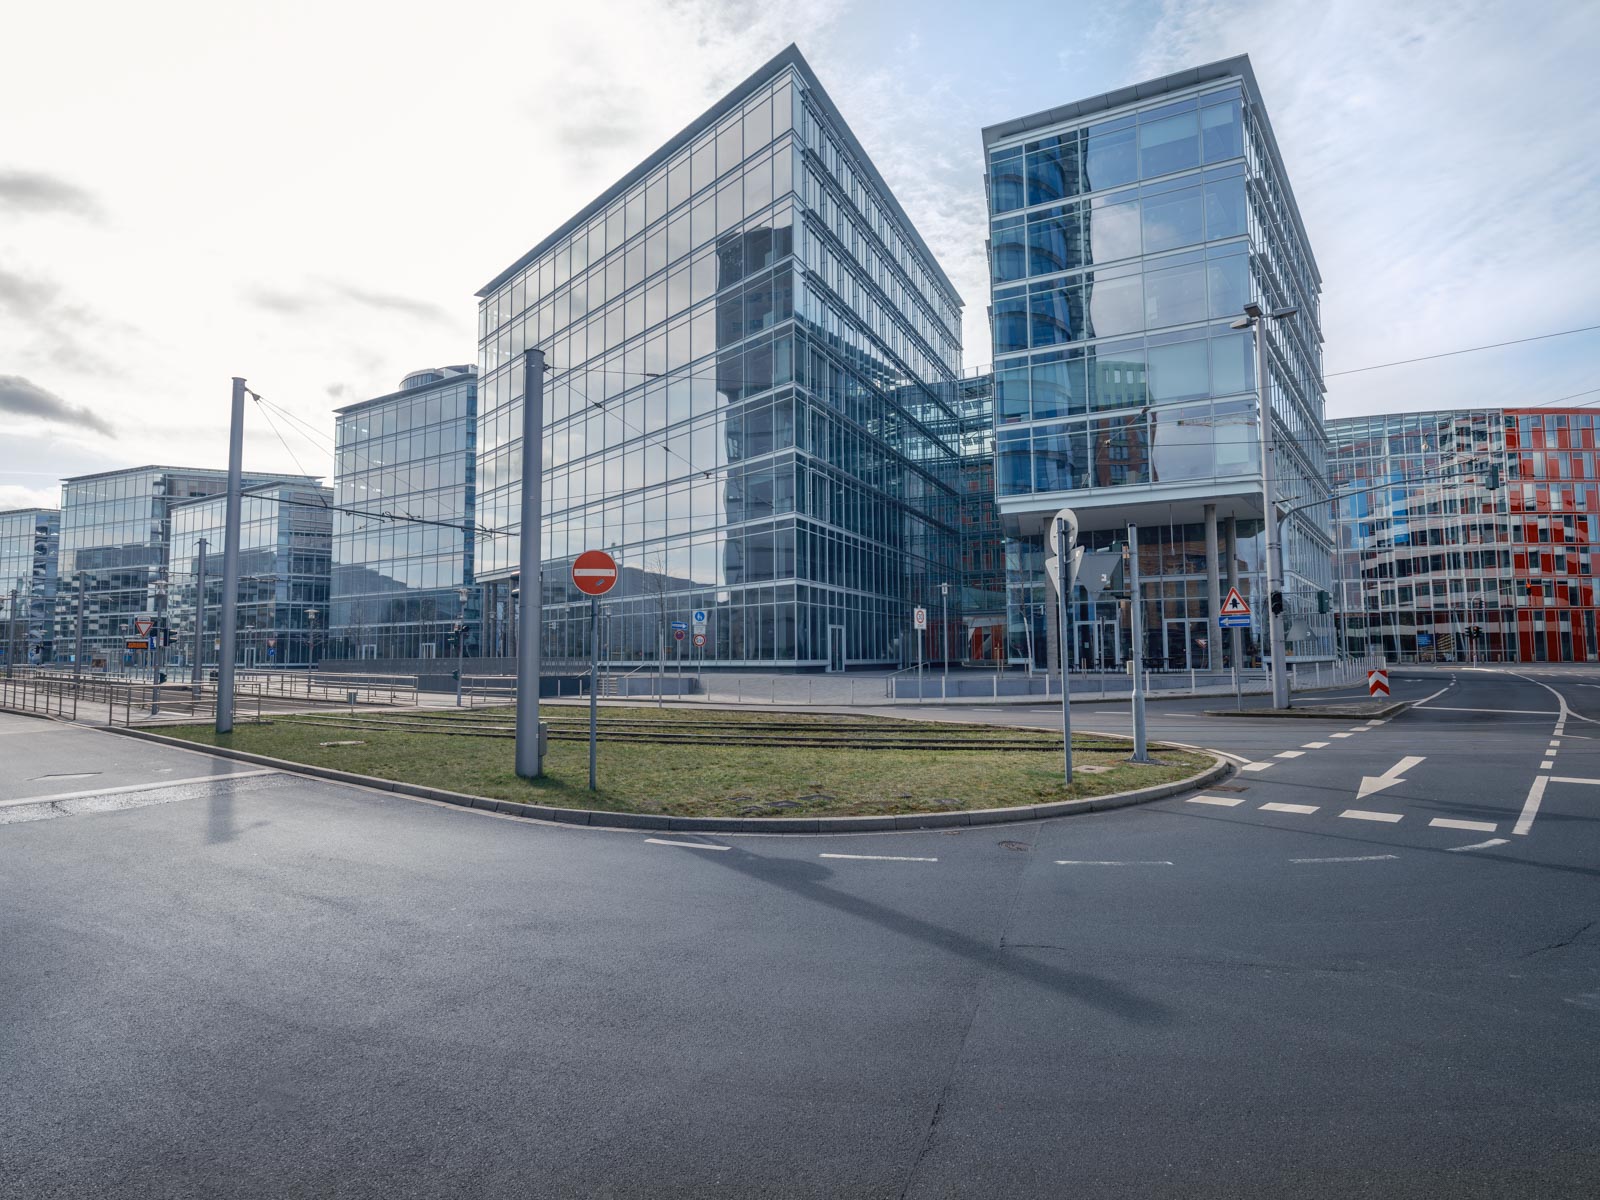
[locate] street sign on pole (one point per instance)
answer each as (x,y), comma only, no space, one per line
(594,572)
(1234,613)
(919,617)
(699,616)
(699,639)
(679,634)
(1378,682)
(143,625)
(138,644)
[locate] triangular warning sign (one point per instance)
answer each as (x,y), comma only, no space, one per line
(144,625)
(1234,605)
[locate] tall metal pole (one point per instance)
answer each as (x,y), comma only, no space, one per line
(11,632)
(1064,557)
(594,681)
(530,762)
(944,627)
(1136,618)
(77,649)
(228,617)
(1269,448)
(199,614)
(158,645)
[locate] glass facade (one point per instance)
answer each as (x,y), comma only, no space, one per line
(115,533)
(750,356)
(397,582)
(285,554)
(1436,564)
(1126,236)
(29,544)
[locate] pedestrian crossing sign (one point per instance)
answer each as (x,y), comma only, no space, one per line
(1234,605)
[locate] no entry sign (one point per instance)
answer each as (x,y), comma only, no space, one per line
(594,572)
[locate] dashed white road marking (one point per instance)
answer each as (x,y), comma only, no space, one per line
(876,857)
(1530,806)
(1314,746)
(1361,814)
(135,787)
(1087,862)
(1474,826)
(1339,735)
(1546,765)
(686,845)
(1477,846)
(1358,729)
(1290,754)
(1256,766)
(1355,858)
(1219,801)
(1303,809)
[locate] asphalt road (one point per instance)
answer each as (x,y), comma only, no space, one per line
(269,986)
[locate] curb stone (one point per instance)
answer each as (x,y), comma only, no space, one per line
(1219,769)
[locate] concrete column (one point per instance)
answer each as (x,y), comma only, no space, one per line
(1235,636)
(1213,595)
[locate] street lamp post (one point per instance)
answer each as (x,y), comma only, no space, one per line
(1256,318)
(461,638)
(11,632)
(944,626)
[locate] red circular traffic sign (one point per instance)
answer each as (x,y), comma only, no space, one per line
(594,572)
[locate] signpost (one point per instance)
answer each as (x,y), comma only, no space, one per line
(1378,682)
(1063,557)
(1234,614)
(699,642)
(919,621)
(594,573)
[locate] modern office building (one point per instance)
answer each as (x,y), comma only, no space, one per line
(1127,232)
(116,534)
(29,543)
(749,351)
(285,561)
(403,545)
(1468,534)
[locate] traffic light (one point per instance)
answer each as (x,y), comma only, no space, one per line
(1324,602)
(1277,604)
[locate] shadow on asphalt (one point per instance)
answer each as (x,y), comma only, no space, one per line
(809,882)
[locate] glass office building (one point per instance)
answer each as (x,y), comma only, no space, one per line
(285,555)
(403,546)
(115,534)
(1468,534)
(1126,234)
(29,544)
(749,352)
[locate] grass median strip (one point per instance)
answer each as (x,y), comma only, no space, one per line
(724,776)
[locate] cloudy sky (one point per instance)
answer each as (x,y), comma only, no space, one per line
(309,194)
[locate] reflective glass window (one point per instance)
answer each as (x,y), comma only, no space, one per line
(1116,376)
(1172,219)
(1010,323)
(1228,284)
(1225,208)
(1179,371)
(1055,243)
(1113,306)
(1175,295)
(1006,187)
(1048,316)
(1221,131)
(1052,168)
(1011,394)
(1009,254)
(1169,144)
(1058,388)
(1110,159)
(1113,228)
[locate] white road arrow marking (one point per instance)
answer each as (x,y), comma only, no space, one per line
(1377,783)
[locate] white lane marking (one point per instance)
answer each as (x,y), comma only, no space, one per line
(1256,766)
(1290,754)
(873,857)
(1339,735)
(1477,846)
(1566,709)
(1554,744)
(1360,814)
(1546,765)
(1303,809)
(1473,826)
(1088,862)
(134,787)
(1357,858)
(1377,783)
(686,845)
(1436,695)
(1219,801)
(1358,729)
(1530,806)
(1573,779)
(1314,746)
(1527,712)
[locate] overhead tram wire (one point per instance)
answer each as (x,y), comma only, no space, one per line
(1465,350)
